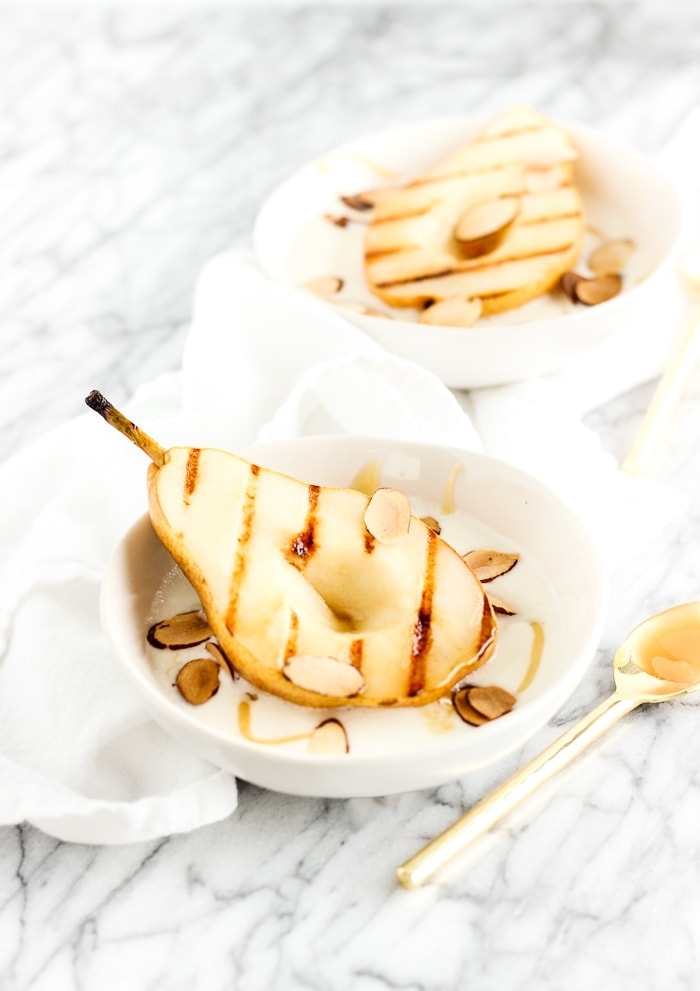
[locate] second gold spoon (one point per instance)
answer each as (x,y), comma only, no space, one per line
(659,660)
(681,365)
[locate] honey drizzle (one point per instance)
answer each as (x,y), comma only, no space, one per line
(246,732)
(368,478)
(669,647)
(535,656)
(448,500)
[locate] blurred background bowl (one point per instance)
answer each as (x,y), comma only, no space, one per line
(625,195)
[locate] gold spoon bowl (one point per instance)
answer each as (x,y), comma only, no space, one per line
(658,660)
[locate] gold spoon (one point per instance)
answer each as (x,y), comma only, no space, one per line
(658,660)
(674,379)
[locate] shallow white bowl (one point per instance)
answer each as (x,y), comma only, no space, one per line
(624,195)
(400,749)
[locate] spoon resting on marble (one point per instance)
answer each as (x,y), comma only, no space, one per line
(658,660)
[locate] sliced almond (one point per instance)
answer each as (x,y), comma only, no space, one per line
(356,202)
(477,705)
(324,286)
(568,283)
(491,700)
(186,629)
(432,524)
(453,312)
(198,680)
(482,228)
(500,606)
(337,221)
(465,710)
(217,653)
(591,292)
(612,257)
(325,675)
(388,515)
(329,737)
(488,565)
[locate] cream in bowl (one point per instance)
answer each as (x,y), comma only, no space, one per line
(486,250)
(548,588)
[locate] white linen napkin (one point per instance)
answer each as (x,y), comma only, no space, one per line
(79,755)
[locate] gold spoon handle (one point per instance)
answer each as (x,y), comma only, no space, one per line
(489,810)
(664,400)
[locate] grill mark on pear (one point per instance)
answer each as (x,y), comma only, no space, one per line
(406,215)
(191,473)
(412,214)
(304,545)
(290,648)
(474,170)
(422,632)
(355,653)
(457,270)
(245,530)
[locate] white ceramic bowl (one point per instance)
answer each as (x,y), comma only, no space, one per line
(624,195)
(390,750)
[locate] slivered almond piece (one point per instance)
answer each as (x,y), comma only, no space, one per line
(568,283)
(329,737)
(612,257)
(499,606)
(388,515)
(432,524)
(591,292)
(337,221)
(186,629)
(491,701)
(477,705)
(325,675)
(356,202)
(217,653)
(453,312)
(198,680)
(465,710)
(324,286)
(481,229)
(488,565)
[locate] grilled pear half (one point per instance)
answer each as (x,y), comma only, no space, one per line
(500,220)
(304,600)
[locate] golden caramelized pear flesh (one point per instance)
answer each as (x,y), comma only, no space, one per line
(305,600)
(498,220)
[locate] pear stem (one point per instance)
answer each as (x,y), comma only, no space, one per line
(136,435)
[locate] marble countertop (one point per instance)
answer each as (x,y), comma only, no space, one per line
(135,144)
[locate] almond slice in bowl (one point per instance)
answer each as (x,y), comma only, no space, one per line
(452,312)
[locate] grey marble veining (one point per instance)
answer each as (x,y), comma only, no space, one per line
(134,144)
